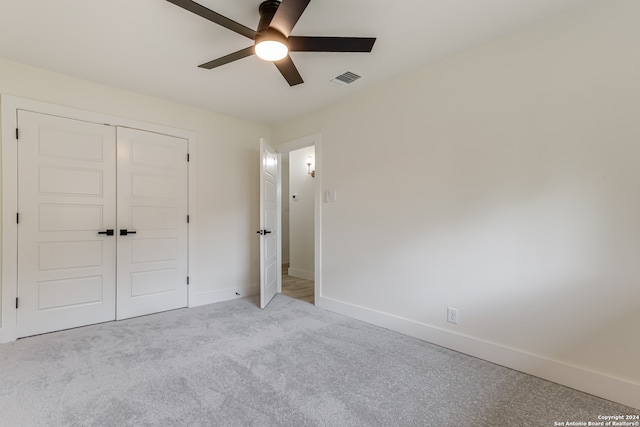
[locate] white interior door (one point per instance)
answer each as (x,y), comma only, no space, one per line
(270,268)
(152,223)
(66,194)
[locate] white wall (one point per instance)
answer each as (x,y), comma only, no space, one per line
(503,182)
(227,164)
(284,229)
(301,210)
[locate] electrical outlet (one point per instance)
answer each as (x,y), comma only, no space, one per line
(452,315)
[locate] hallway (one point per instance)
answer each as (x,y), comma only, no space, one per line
(297,288)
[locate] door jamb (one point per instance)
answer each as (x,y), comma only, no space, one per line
(314,140)
(9,106)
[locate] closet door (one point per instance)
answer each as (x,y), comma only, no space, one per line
(152,223)
(66,203)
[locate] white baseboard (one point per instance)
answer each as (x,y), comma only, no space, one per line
(302,274)
(200,299)
(224,295)
(597,384)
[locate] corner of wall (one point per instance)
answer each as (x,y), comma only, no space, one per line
(224,295)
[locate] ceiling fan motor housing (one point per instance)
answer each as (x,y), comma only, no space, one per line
(271,35)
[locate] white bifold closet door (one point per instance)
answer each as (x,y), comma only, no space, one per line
(79,185)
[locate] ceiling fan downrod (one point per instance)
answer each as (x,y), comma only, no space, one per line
(267,9)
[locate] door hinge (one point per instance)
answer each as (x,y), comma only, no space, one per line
(17,218)
(188,157)
(17,134)
(187,219)
(187,280)
(16,302)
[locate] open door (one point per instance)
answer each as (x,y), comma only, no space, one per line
(270,270)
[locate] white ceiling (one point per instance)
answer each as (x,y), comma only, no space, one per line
(154,47)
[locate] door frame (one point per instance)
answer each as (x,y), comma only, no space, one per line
(315,141)
(9,105)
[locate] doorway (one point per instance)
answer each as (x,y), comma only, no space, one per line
(300,219)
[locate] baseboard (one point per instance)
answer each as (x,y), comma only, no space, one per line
(301,274)
(224,295)
(200,299)
(595,383)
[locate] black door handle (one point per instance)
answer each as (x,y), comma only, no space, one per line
(125,232)
(263,232)
(109,232)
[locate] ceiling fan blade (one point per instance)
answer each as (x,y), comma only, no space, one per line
(229,58)
(215,17)
(330,44)
(287,15)
(289,71)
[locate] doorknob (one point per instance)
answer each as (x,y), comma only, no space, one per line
(263,232)
(108,232)
(125,232)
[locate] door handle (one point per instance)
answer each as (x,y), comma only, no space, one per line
(125,232)
(263,232)
(108,232)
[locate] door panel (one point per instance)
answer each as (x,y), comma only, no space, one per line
(150,250)
(154,218)
(70,217)
(66,193)
(152,201)
(70,144)
(70,181)
(269,209)
(153,187)
(69,292)
(56,255)
(155,282)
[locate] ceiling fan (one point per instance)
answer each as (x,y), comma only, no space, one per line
(272,39)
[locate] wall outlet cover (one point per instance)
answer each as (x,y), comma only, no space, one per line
(452,315)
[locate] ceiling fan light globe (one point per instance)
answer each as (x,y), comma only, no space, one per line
(271,50)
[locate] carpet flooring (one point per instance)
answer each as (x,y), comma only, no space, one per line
(292,364)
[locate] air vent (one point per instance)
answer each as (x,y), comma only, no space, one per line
(345,78)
